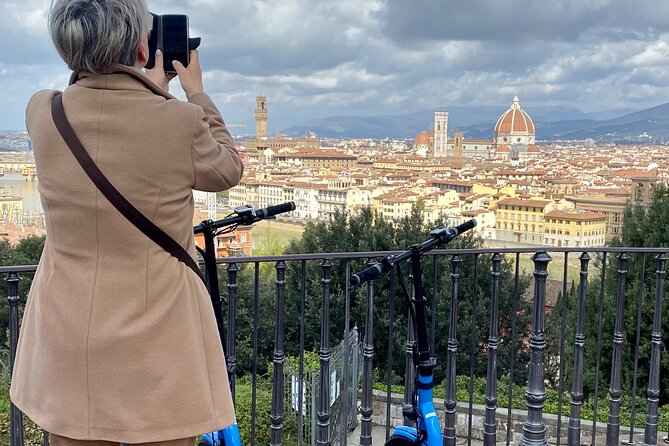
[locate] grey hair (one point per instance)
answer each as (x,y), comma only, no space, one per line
(94,34)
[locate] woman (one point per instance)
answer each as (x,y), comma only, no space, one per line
(118,341)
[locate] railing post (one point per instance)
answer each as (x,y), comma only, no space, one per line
(16,417)
(277,390)
(650,433)
(450,400)
(534,430)
(231,341)
(490,424)
(574,437)
(615,391)
(368,354)
(344,408)
(323,434)
(409,367)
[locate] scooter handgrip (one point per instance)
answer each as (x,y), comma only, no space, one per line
(271,211)
(366,275)
(466,226)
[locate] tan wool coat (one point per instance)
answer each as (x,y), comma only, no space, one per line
(118,341)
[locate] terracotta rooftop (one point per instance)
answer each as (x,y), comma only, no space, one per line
(576,215)
(520,202)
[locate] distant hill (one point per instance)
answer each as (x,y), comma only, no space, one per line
(479,122)
(409,125)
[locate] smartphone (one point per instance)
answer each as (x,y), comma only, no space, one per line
(173,33)
(169,33)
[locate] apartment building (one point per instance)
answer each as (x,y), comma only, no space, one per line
(395,205)
(330,200)
(485,222)
(521,220)
(574,228)
(246,192)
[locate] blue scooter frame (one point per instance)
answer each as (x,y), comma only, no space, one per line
(244,215)
(428,430)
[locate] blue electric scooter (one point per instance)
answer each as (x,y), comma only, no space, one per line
(427,431)
(244,216)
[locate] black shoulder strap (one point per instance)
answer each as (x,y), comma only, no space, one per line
(109,191)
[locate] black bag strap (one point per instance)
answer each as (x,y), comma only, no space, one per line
(114,196)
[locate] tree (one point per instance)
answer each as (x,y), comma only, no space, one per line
(643,227)
(26,252)
(367,231)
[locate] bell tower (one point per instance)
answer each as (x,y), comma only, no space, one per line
(261,118)
(440,134)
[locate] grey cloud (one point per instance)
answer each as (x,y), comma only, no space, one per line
(517,20)
(365,57)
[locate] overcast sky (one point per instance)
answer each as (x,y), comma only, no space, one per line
(319,58)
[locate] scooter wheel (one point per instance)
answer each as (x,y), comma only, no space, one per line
(398,440)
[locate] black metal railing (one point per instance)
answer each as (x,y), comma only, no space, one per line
(498,317)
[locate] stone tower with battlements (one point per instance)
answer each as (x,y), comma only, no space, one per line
(261,118)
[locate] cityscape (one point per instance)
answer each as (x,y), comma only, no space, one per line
(520,191)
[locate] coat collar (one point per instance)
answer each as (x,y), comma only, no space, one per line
(118,77)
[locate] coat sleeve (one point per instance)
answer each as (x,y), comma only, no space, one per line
(216,162)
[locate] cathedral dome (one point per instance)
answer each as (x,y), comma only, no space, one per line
(514,126)
(422,139)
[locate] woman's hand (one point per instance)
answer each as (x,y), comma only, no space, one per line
(191,76)
(157,74)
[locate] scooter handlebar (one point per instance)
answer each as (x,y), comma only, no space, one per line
(366,275)
(271,211)
(245,215)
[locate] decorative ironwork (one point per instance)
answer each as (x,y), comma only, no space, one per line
(231,340)
(534,430)
(615,391)
(16,432)
(490,424)
(368,356)
(574,436)
(323,432)
(450,400)
(650,434)
(277,390)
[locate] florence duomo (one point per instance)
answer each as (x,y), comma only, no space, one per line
(513,138)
